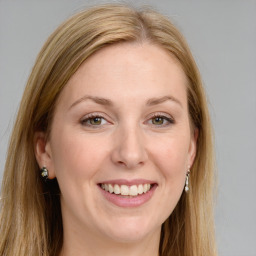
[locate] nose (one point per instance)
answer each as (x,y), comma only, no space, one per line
(129,150)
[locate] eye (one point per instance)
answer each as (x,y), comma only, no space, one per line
(160,120)
(93,120)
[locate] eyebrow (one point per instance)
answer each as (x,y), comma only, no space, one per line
(155,101)
(107,102)
(98,100)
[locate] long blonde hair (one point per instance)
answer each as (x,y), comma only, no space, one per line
(30,219)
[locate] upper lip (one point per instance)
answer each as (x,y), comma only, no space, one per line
(128,182)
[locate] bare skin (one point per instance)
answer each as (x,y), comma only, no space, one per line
(122,117)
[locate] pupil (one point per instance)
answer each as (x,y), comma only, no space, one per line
(96,120)
(158,120)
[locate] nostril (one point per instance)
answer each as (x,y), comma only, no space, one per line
(130,164)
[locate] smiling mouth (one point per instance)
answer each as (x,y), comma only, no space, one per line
(125,190)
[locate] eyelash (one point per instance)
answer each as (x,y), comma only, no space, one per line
(92,116)
(164,117)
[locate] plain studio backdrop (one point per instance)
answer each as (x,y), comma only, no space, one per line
(222,37)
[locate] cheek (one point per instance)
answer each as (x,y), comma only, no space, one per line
(172,157)
(77,155)
(171,160)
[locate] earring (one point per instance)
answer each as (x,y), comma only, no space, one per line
(44,173)
(187,180)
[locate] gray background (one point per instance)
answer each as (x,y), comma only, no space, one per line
(222,36)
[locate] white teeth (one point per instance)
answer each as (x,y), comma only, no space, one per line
(125,190)
(110,188)
(116,189)
(140,189)
(133,190)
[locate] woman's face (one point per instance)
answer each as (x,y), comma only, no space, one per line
(121,125)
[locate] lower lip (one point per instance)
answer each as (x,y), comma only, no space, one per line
(134,201)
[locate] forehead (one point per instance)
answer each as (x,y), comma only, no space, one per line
(129,69)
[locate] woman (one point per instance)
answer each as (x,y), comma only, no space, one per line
(112,148)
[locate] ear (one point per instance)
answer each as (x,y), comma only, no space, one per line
(193,146)
(43,153)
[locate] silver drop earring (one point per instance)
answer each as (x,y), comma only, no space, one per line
(187,181)
(44,173)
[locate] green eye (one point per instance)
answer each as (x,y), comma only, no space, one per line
(158,120)
(95,120)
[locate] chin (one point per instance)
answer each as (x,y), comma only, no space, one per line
(132,231)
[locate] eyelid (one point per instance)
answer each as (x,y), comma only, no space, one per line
(167,117)
(164,115)
(94,115)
